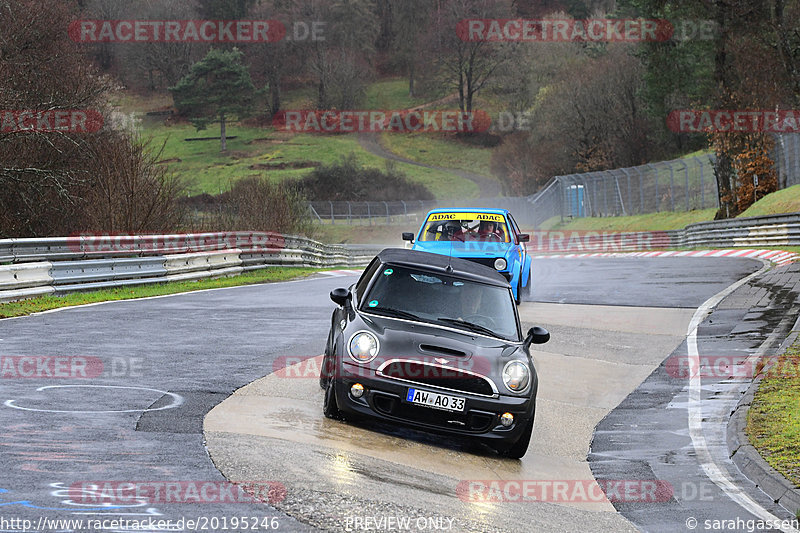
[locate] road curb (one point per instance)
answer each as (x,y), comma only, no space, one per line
(747,458)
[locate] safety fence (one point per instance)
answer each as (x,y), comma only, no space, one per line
(60,265)
(408,212)
(682,184)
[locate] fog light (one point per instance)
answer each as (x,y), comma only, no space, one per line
(357,390)
(507,419)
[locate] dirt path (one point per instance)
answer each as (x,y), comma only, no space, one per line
(489,188)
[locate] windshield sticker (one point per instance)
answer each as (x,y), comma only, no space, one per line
(466,216)
(425,279)
(373,303)
(388,272)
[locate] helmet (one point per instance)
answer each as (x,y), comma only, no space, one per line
(451,228)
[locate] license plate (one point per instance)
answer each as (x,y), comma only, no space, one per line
(435,400)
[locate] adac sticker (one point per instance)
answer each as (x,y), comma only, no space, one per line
(388,272)
(373,303)
(457,215)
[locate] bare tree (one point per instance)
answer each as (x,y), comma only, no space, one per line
(465,66)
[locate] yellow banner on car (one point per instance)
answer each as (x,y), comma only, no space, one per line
(456,215)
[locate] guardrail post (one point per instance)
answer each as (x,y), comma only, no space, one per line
(388,220)
(349,214)
(333,220)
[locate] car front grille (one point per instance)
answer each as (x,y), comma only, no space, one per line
(438,376)
(475,421)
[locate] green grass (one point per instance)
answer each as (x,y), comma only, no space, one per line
(784,201)
(649,222)
(390,94)
(263,152)
(447,152)
(44,303)
(773,422)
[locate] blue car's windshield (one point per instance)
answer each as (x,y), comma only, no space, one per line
(465,227)
(411,294)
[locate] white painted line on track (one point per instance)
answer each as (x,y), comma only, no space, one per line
(58,309)
(177,400)
(713,470)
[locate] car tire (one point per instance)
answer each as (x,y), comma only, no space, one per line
(329,407)
(526,290)
(324,372)
(519,448)
(518,298)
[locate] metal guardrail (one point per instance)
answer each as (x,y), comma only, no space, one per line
(60,265)
(65,264)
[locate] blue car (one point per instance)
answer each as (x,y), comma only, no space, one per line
(490,237)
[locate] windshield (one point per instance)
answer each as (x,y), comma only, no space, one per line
(448,301)
(465,227)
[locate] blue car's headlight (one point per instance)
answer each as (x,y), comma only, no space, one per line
(363,347)
(500,264)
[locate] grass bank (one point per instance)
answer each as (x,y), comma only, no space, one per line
(773,422)
(45,303)
(649,222)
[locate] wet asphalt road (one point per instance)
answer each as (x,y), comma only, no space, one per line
(201,347)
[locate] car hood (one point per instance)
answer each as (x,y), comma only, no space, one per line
(418,342)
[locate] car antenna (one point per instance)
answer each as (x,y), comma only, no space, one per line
(449,267)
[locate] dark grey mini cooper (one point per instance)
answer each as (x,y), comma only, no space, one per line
(434,343)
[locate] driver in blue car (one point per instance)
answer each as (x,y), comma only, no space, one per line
(488,231)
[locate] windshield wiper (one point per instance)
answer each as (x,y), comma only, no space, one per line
(397,313)
(468,325)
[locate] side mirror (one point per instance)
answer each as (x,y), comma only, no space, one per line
(340,296)
(408,236)
(537,335)
(524,237)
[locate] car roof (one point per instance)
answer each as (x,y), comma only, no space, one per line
(438,263)
(470,210)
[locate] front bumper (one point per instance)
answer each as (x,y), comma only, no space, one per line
(384,399)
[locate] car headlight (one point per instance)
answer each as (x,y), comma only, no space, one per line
(500,264)
(516,376)
(363,347)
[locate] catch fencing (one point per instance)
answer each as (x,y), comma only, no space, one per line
(407,212)
(678,185)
